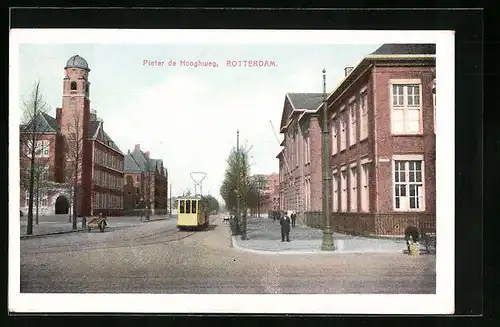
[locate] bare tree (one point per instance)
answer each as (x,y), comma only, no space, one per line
(32,132)
(74,154)
(43,184)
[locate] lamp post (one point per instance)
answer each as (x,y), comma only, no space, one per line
(327,244)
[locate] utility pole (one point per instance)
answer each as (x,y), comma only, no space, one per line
(170,199)
(327,244)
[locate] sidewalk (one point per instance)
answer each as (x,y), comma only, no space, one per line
(53,225)
(265,236)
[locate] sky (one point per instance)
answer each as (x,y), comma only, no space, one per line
(188,116)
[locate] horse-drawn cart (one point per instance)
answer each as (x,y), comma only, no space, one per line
(98,222)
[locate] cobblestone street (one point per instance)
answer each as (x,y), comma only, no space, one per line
(156,258)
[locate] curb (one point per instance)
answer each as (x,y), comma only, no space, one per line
(50,234)
(235,245)
(151,220)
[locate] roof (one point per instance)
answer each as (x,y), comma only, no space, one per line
(129,165)
(405,49)
(190,197)
(299,102)
(400,53)
(305,100)
(41,123)
(96,132)
(77,62)
(136,161)
(93,127)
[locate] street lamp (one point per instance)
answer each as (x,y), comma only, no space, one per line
(327,244)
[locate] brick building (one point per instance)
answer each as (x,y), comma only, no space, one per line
(300,174)
(143,173)
(382,123)
(269,191)
(77,133)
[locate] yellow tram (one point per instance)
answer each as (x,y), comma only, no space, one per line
(192,212)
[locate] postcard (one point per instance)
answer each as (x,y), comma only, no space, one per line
(231,171)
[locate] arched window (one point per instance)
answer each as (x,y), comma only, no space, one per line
(73,86)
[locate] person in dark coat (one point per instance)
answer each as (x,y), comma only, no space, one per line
(293,216)
(285,227)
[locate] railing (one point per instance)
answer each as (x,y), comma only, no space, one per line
(390,225)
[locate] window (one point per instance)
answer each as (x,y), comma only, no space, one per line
(136,190)
(408,185)
(296,150)
(335,193)
(343,190)
(193,206)
(188,206)
(306,150)
(364,116)
(406,108)
(352,123)
(42,149)
(342,133)
(73,86)
(365,188)
(334,137)
(308,194)
(137,178)
(353,189)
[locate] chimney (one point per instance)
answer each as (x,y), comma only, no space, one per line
(147,154)
(93,115)
(137,147)
(129,151)
(58,115)
(348,70)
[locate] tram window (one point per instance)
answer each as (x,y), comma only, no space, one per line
(181,206)
(188,206)
(193,209)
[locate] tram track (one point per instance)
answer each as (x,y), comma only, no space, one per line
(165,236)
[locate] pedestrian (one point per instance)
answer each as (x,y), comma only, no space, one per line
(275,214)
(285,227)
(293,216)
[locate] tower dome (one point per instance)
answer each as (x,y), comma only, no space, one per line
(77,62)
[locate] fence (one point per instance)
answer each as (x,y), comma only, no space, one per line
(391,225)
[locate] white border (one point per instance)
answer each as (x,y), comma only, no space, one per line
(441,302)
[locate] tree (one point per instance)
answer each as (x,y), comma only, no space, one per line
(43,184)
(213,204)
(74,156)
(31,135)
(236,183)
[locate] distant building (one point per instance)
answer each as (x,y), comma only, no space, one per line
(382,124)
(100,178)
(269,191)
(143,173)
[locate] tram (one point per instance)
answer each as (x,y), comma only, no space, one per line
(192,213)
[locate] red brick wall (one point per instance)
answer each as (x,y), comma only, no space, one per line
(389,145)
(97,188)
(362,148)
(315,170)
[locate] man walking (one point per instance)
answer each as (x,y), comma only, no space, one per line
(285,227)
(293,216)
